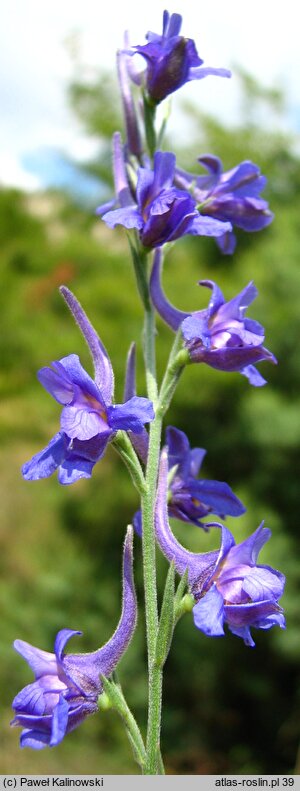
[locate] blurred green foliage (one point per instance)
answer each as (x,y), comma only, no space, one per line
(227,709)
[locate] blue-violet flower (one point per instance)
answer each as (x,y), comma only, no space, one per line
(67,686)
(171,59)
(158,210)
(233,196)
(227,584)
(89,419)
(220,335)
(191,499)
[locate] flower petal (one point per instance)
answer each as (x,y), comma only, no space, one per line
(198,73)
(83,424)
(137,523)
(61,640)
(208,226)
(262,583)
(196,459)
(47,460)
(57,384)
(164,170)
(208,613)
(132,415)
(41,662)
(219,496)
(35,739)
(227,243)
(246,553)
(178,451)
(254,377)
(128,216)
(59,722)
(71,367)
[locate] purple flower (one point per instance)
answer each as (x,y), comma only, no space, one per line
(67,686)
(227,584)
(220,335)
(89,418)
(157,209)
(171,59)
(190,499)
(233,196)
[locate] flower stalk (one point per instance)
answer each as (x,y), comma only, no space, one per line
(116,700)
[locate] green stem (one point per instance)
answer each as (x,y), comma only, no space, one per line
(161,768)
(148,500)
(153,754)
(149,563)
(149,554)
(149,354)
(176,363)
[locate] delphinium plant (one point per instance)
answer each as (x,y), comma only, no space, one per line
(226,588)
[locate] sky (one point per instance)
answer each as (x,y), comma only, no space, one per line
(261,36)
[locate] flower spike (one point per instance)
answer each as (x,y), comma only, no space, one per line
(67,686)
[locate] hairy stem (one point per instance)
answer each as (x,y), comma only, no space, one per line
(149,354)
